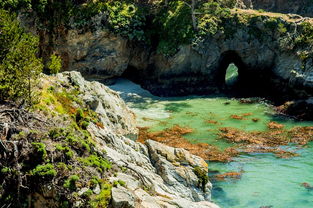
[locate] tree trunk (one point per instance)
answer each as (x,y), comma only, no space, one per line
(193,15)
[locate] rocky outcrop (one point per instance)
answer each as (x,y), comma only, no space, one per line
(155,175)
(300,109)
(268,58)
(97,54)
(301,7)
(112,111)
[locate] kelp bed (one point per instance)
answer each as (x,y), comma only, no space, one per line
(274,140)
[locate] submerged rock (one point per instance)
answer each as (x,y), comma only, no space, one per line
(300,109)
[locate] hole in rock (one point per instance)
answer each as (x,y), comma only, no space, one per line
(232,75)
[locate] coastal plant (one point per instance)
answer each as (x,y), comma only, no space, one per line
(40,151)
(55,64)
(44,171)
(103,198)
(70,183)
(174,25)
(19,65)
(96,161)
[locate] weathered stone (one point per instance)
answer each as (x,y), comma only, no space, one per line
(156,175)
(122,198)
(105,102)
(82,191)
(97,189)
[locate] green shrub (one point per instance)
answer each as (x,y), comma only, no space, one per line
(306,34)
(68,153)
(5,170)
(174,27)
(46,170)
(70,183)
(78,143)
(55,64)
(97,162)
(102,199)
(119,182)
(40,151)
(127,19)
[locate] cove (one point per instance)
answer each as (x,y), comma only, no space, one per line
(266,181)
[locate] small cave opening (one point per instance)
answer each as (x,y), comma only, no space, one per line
(133,74)
(238,79)
(231,72)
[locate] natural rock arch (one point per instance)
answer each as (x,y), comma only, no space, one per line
(225,60)
(268,60)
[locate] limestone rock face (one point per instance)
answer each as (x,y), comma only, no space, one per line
(122,198)
(263,54)
(266,60)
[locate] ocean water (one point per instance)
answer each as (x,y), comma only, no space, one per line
(266,180)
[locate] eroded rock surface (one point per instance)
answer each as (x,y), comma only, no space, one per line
(113,112)
(267,56)
(155,175)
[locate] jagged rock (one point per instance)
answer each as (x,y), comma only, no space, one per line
(105,102)
(97,189)
(167,182)
(122,198)
(201,68)
(156,175)
(301,109)
(175,166)
(100,54)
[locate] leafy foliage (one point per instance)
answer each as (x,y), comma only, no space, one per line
(46,170)
(306,36)
(174,27)
(55,64)
(126,19)
(19,66)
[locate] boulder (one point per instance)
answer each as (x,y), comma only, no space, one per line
(122,198)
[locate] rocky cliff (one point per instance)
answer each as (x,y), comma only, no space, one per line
(272,51)
(76,151)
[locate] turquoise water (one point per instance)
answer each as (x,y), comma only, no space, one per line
(266,180)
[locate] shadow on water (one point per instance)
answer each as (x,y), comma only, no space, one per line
(176,107)
(218,192)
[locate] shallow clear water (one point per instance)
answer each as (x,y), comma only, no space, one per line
(266,181)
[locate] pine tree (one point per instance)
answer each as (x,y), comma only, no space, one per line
(19,66)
